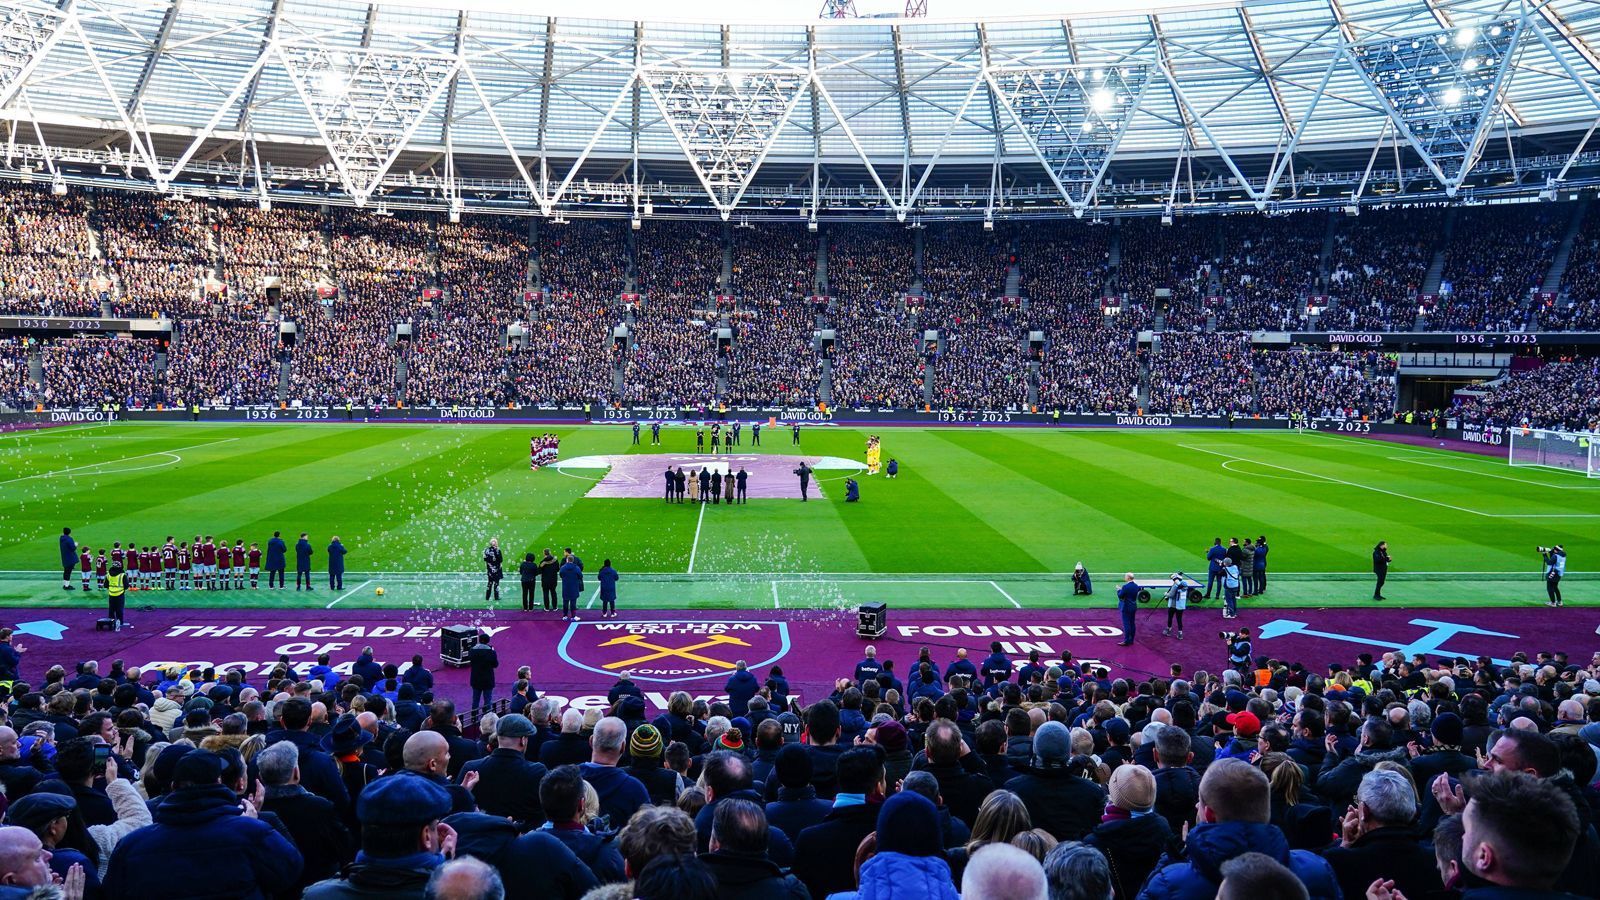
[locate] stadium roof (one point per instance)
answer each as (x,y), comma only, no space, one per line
(1249,102)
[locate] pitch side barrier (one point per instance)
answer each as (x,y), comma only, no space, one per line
(629,414)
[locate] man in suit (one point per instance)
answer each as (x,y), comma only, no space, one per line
(740,479)
(277,560)
(1214,557)
(716,487)
(529,573)
(755,434)
(549,572)
(1380,568)
(636,434)
(493,564)
(1127,603)
(482,660)
(805,477)
(794,436)
(571,573)
(655,434)
(302,563)
(335,565)
(69,557)
(672,482)
(1261,564)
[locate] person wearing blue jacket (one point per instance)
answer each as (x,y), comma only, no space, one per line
(997,667)
(335,564)
(277,560)
(608,590)
(302,563)
(571,575)
(741,686)
(368,667)
(1127,603)
(1214,558)
(1235,813)
(202,844)
(1261,564)
(69,557)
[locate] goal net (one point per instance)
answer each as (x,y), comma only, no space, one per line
(1574,451)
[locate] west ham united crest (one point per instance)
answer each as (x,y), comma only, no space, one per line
(673,651)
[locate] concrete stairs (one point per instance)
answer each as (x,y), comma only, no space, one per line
(725,283)
(821,282)
(1325,258)
(285,374)
(1558,262)
(1431,281)
(1013,282)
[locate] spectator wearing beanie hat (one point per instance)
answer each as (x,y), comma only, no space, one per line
(896,744)
(1059,799)
(1129,834)
(1444,755)
(646,754)
(1246,730)
(796,807)
(909,862)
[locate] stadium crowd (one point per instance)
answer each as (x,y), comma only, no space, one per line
(157,252)
(1202,374)
(1328,383)
(1005,779)
(1556,395)
(46,260)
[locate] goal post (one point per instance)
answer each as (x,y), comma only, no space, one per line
(1574,451)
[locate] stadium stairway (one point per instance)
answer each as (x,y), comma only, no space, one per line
(820,283)
(1431,281)
(285,374)
(725,283)
(1113,259)
(1558,261)
(1325,258)
(825,381)
(1013,282)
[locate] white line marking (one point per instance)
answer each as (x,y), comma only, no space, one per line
(901,577)
(592,595)
(1423,460)
(1006,595)
(1368,487)
(347,593)
(775,595)
(57,429)
(172,453)
(696,548)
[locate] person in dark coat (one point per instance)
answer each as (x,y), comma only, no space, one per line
(716,487)
(1130,835)
(608,577)
(962,783)
(302,563)
(671,484)
(1378,842)
(549,573)
(738,856)
(1380,568)
(805,478)
(531,865)
(561,794)
(824,856)
(277,560)
(1338,778)
(567,748)
(69,557)
(401,844)
(323,839)
(494,569)
(1444,756)
(647,755)
(319,774)
(336,553)
(741,686)
(1177,782)
(1127,605)
(1059,799)
(528,572)
(508,784)
(705,485)
(571,589)
(201,832)
(368,668)
(797,807)
(1235,806)
(482,661)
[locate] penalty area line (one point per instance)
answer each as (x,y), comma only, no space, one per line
(1006,595)
(335,601)
(695,549)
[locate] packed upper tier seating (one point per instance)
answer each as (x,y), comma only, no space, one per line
(1556,395)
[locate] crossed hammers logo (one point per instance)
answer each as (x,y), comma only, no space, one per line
(638,640)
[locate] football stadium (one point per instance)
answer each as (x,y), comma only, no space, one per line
(981,451)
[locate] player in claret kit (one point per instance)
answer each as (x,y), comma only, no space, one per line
(224,566)
(208,560)
(86,564)
(533,453)
(116,553)
(255,566)
(238,565)
(100,563)
(185,568)
(152,568)
(169,563)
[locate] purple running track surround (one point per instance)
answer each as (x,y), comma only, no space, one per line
(695,651)
(642,475)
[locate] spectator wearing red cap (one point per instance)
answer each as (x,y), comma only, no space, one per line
(1246,730)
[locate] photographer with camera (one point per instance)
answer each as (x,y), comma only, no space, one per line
(1177,602)
(1238,649)
(1555,567)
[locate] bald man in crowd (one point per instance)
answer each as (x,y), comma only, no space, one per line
(427,755)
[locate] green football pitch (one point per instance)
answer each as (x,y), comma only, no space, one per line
(978,517)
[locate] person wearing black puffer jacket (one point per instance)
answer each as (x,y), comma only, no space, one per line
(1177,782)
(1059,799)
(1130,834)
(1444,756)
(739,860)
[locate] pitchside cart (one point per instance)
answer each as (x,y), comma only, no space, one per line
(1157,588)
